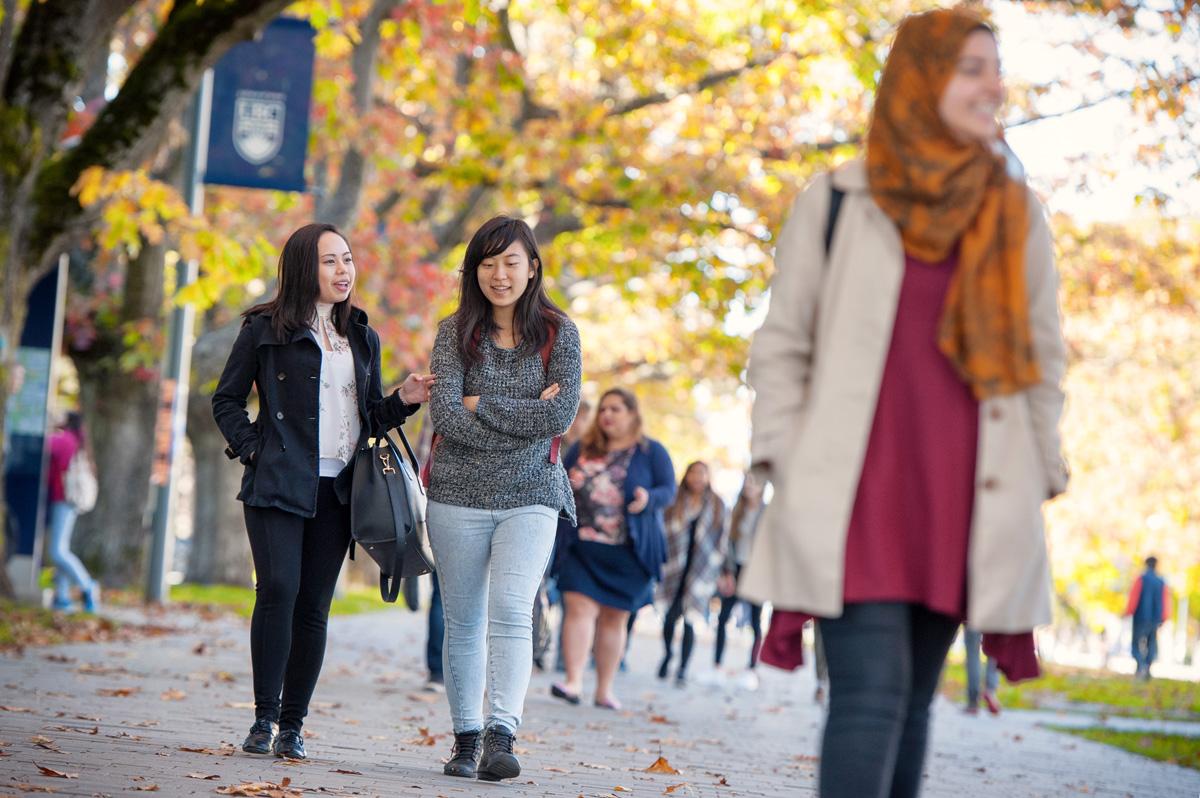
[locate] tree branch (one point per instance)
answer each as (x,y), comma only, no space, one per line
(194,37)
(341,207)
(706,82)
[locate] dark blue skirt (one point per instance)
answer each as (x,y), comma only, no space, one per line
(610,575)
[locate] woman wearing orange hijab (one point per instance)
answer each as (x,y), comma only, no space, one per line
(907,380)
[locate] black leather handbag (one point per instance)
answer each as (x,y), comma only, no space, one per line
(387,512)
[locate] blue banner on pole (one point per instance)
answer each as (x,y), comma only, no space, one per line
(261,95)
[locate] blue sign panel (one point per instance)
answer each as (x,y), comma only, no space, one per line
(259,125)
(27,422)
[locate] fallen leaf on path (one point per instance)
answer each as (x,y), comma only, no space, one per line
(594,766)
(203,777)
(59,658)
(240,704)
(119,692)
(723,782)
(619,788)
(225,676)
(426,738)
(76,729)
(33,788)
(661,719)
(145,724)
(92,718)
(556,770)
(45,742)
(57,774)
(347,772)
(675,787)
(146,788)
(173,695)
(265,789)
(209,751)
(15,709)
(661,765)
(200,648)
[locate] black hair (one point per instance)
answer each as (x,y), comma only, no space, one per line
(534,314)
(295,300)
(1152,562)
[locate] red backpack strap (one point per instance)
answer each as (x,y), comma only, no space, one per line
(556,442)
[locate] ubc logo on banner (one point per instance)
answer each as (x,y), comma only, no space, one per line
(258,134)
(258,124)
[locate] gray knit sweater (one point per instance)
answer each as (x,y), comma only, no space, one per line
(498,457)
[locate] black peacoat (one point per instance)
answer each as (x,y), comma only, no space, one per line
(280,447)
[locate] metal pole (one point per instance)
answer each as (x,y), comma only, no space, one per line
(172,410)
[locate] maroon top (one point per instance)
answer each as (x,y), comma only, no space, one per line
(910,526)
(912,515)
(63,446)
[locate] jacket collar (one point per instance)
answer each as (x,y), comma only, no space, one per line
(267,336)
(851,176)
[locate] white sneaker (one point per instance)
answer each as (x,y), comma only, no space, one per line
(748,681)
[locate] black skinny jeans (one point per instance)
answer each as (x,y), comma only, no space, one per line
(728,603)
(884,663)
(296,564)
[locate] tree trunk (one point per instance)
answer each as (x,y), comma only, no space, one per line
(220,552)
(120,411)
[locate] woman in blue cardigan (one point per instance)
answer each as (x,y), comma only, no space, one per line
(608,564)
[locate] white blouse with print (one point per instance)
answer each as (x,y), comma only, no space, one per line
(339,422)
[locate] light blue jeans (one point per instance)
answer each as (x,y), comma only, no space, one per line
(489,566)
(68,570)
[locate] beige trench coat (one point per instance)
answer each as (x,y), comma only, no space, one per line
(816,366)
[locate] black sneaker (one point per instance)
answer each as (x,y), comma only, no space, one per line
(464,756)
(259,740)
(290,745)
(498,760)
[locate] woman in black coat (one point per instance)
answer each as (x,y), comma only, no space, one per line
(315,364)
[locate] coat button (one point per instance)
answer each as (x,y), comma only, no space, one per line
(990,484)
(281,376)
(279,415)
(996,414)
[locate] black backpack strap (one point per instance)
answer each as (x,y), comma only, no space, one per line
(835,206)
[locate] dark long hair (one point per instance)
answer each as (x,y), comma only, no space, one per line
(595,442)
(534,314)
(295,300)
(674,513)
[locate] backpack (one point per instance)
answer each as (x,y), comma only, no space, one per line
(79,483)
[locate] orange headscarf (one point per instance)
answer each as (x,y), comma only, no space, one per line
(940,191)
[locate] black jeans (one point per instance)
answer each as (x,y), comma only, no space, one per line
(728,603)
(884,663)
(689,636)
(296,564)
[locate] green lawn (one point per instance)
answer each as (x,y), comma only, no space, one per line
(1075,688)
(1174,748)
(241,599)
(25,625)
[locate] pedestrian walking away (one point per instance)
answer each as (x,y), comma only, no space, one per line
(907,381)
(747,511)
(973,643)
(314,362)
(697,536)
(509,365)
(607,564)
(72,483)
(1149,606)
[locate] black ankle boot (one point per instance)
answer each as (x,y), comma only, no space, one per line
(290,745)
(464,757)
(664,667)
(259,740)
(498,760)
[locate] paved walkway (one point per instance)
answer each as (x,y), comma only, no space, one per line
(122,717)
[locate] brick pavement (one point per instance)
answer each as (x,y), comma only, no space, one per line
(119,715)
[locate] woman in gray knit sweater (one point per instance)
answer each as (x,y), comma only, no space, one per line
(508,364)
